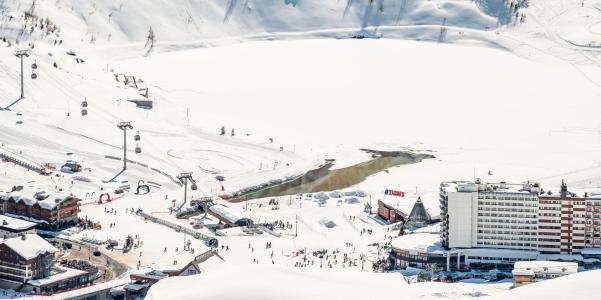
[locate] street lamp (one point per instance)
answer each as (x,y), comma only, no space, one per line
(124,126)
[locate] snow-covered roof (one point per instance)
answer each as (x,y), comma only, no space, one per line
(538,266)
(50,202)
(403,204)
(564,257)
(65,274)
(96,287)
(30,247)
(523,273)
(422,242)
(226,213)
(15,224)
(433,228)
(493,252)
(591,251)
(26,218)
(489,187)
(136,287)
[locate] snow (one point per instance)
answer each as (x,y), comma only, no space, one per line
(591,251)
(50,202)
(473,120)
(564,257)
(15,223)
(576,286)
(419,242)
(545,266)
(225,212)
(184,20)
(433,228)
(505,253)
(83,291)
(65,273)
(404,204)
(30,247)
(254,282)
(520,100)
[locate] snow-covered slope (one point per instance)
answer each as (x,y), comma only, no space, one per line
(480,109)
(115,21)
(576,286)
(253,282)
(276,283)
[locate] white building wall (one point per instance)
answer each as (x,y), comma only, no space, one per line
(461,211)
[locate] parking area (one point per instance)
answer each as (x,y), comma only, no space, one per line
(108,268)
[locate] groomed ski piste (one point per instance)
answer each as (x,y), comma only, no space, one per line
(487,95)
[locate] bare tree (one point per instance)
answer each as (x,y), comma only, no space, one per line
(150,40)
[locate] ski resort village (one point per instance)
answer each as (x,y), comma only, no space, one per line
(300,149)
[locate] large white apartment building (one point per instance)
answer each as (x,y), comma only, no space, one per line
(485,215)
(519,217)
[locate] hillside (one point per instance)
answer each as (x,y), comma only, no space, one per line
(117,21)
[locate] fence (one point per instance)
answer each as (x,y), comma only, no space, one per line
(178,228)
(22,163)
(205,256)
(146,166)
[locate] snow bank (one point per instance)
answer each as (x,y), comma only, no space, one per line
(277,283)
(581,286)
(252,282)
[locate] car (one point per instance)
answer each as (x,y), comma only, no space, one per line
(321,196)
(335,194)
(360,193)
(220,178)
(96,253)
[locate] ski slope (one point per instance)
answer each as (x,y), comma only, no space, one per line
(341,95)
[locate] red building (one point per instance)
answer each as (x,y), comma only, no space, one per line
(410,211)
(25,258)
(391,213)
(561,223)
(51,210)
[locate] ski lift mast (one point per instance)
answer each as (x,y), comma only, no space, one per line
(20,54)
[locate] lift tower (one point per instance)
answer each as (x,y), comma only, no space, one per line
(124,126)
(20,54)
(184,178)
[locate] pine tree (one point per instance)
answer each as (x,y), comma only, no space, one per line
(402,229)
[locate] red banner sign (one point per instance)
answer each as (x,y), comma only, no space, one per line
(394,193)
